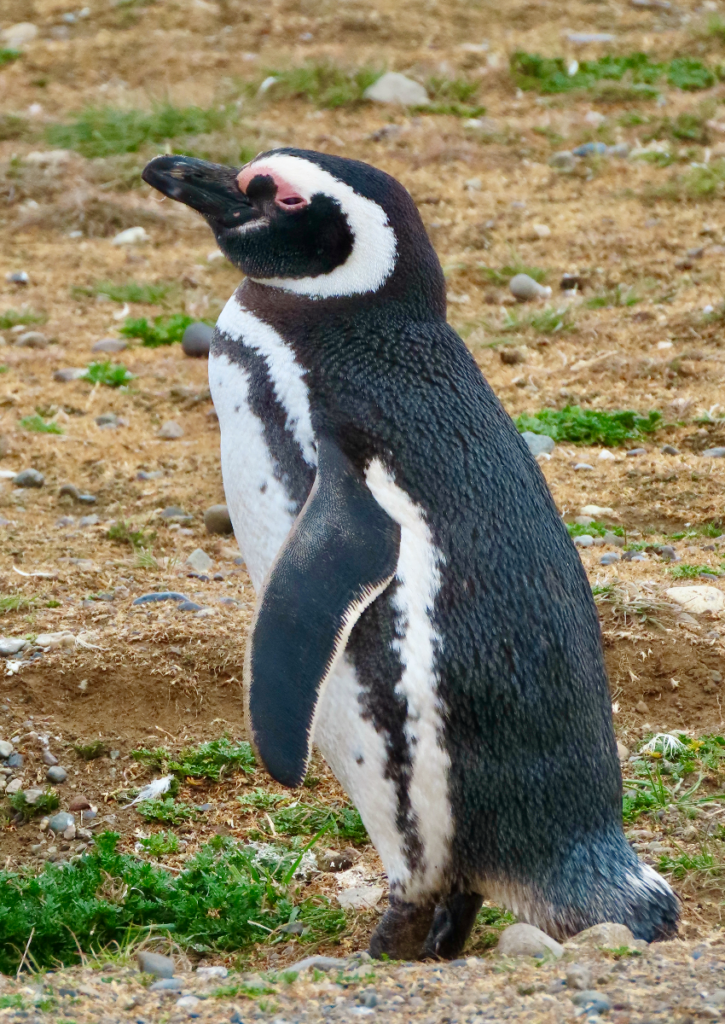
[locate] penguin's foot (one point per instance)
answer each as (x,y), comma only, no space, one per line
(452,924)
(401,935)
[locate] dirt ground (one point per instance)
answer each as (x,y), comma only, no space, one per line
(142,675)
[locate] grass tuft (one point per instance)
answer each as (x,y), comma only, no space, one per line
(210,760)
(503,275)
(90,751)
(551,74)
(113,375)
(613,297)
(122,533)
(7,56)
(45,804)
(165,330)
(38,425)
(322,83)
(15,603)
(168,810)
(590,426)
(105,131)
(131,291)
(690,572)
(308,819)
(12,318)
(159,844)
(703,183)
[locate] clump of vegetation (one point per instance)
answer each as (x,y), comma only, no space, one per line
(123,533)
(113,375)
(12,126)
(613,297)
(308,819)
(14,318)
(210,760)
(131,291)
(490,922)
(323,83)
(690,572)
(698,184)
(165,330)
(15,603)
(551,320)
(452,96)
(703,862)
(262,799)
(38,425)
(590,426)
(503,275)
(45,804)
(104,131)
(90,751)
(168,810)
(663,763)
(159,844)
(553,75)
(592,530)
(8,55)
(226,898)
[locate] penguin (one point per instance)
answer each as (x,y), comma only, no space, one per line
(422,616)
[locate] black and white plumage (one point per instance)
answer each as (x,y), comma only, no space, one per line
(423,616)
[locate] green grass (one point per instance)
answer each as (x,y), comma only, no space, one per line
(12,126)
(113,375)
(262,799)
(663,765)
(551,320)
(490,922)
(590,426)
(45,804)
(159,844)
(90,751)
(210,760)
(165,330)
(131,291)
(550,75)
(613,297)
(15,603)
(503,275)
(452,96)
(38,425)
(224,899)
(698,184)
(686,127)
(168,810)
(123,533)
(309,819)
(689,572)
(7,56)
(323,83)
(105,131)
(592,530)
(12,318)
(685,863)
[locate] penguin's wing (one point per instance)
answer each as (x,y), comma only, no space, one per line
(340,554)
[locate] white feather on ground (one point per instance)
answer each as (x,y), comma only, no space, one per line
(154,789)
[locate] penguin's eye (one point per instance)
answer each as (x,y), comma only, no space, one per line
(292,202)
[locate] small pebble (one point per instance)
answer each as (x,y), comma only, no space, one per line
(110,345)
(524,288)
(6,749)
(155,963)
(714,453)
(17,277)
(93,520)
(538,443)
(29,478)
(31,339)
(584,541)
(56,774)
(189,606)
(634,556)
(392,87)
(614,539)
(592,1001)
(174,512)
(583,465)
(526,940)
(669,449)
(590,148)
(633,452)
(205,973)
(199,561)
(15,761)
(641,707)
(32,796)
(170,431)
(167,985)
(563,161)
(668,553)
(188,1002)
(131,236)
(196,340)
(107,419)
(11,645)
(69,374)
(163,595)
(217,520)
(61,821)
(609,559)
(14,787)
(579,976)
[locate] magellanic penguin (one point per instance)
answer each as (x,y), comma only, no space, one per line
(422,616)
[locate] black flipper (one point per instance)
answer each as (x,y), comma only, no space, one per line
(340,554)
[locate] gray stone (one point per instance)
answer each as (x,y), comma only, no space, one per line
(592,1001)
(585,38)
(61,821)
(579,976)
(15,761)
(668,554)
(32,796)
(609,559)
(216,520)
(582,465)
(392,87)
(524,288)
(174,512)
(31,339)
(56,774)
(29,478)
(109,345)
(199,561)
(609,934)
(170,431)
(319,963)
(107,419)
(614,539)
(11,645)
(634,452)
(714,453)
(669,449)
(155,963)
(6,749)
(584,520)
(89,520)
(526,940)
(167,985)
(68,374)
(584,541)
(622,751)
(189,606)
(563,160)
(196,340)
(538,444)
(621,150)
(14,787)
(48,758)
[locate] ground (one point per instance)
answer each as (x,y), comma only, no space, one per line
(643,331)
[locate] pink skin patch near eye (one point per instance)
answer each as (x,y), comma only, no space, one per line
(287,197)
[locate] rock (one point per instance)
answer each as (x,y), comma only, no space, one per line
(54,640)
(318,963)
(336,860)
(563,160)
(131,236)
(641,707)
(614,539)
(163,595)
(19,34)
(585,38)
(173,512)
(609,935)
(170,431)
(79,803)
(714,453)
(69,374)
(156,964)
(582,466)
(14,787)
(89,521)
(167,984)
(698,599)
(29,478)
(17,277)
(361,897)
(592,1001)
(70,832)
(216,520)
(620,149)
(11,645)
(199,561)
(634,452)
(393,87)
(622,751)
(49,759)
(110,345)
(541,231)
(634,556)
(583,520)
(597,511)
(15,761)
(53,158)
(6,749)
(56,774)
(196,340)
(584,541)
(526,940)
(669,449)
(609,559)
(32,796)
(188,1003)
(590,149)
(538,444)
(579,976)
(107,419)
(524,288)
(206,973)
(512,356)
(61,821)
(31,339)
(668,554)
(189,606)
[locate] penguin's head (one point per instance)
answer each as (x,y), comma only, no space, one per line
(316,225)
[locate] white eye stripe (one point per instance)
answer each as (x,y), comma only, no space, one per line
(373,256)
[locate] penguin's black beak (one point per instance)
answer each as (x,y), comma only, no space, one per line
(211,189)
